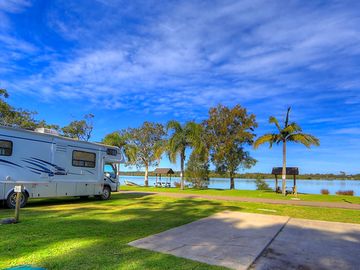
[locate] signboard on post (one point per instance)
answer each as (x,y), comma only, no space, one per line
(18,188)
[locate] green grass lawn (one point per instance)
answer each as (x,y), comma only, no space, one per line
(252,193)
(88,234)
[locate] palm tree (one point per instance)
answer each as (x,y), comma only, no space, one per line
(142,146)
(182,137)
(291,132)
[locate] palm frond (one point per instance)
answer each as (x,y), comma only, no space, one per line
(287,117)
(292,128)
(194,133)
(176,144)
(175,125)
(176,141)
(305,139)
(273,120)
(172,150)
(197,138)
(130,153)
(115,139)
(159,149)
(267,138)
(172,156)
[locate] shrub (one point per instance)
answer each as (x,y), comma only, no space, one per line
(261,184)
(345,192)
(325,192)
(197,171)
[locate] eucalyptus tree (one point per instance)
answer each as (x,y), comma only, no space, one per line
(181,138)
(16,117)
(80,129)
(144,146)
(4,93)
(290,132)
(228,131)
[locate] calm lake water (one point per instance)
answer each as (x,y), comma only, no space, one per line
(304,186)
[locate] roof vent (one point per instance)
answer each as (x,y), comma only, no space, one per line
(47,131)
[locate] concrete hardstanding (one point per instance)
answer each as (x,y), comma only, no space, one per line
(229,239)
(242,240)
(311,244)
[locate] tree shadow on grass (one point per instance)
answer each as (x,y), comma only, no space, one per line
(45,225)
(94,235)
(79,200)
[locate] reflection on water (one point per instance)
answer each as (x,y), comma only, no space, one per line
(304,186)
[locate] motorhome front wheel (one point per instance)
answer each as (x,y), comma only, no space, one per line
(106,193)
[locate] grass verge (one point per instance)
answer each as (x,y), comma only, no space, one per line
(252,194)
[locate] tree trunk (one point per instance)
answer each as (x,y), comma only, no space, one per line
(182,161)
(146,176)
(284,169)
(232,184)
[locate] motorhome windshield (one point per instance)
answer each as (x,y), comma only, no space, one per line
(110,170)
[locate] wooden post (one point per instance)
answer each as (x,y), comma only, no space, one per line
(156,181)
(18,190)
(295,189)
(276,183)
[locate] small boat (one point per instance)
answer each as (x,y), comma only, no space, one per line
(129,183)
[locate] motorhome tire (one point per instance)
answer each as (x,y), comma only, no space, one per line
(106,194)
(11,200)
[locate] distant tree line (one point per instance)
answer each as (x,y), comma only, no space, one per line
(255,175)
(223,139)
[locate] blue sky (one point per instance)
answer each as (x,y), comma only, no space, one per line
(131,61)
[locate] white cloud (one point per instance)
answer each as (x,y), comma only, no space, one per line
(348,131)
(12,48)
(14,6)
(130,55)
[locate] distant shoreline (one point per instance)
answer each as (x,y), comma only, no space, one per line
(263,176)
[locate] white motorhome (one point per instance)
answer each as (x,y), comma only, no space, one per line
(48,165)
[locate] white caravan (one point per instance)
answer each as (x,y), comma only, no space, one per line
(48,165)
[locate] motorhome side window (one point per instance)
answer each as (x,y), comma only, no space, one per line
(83,159)
(6,148)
